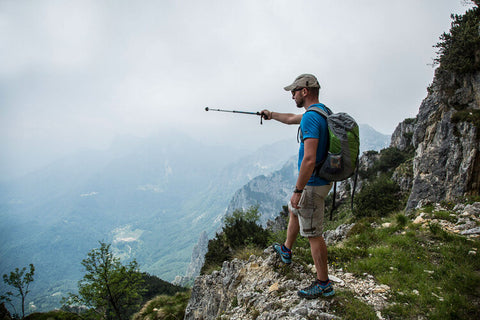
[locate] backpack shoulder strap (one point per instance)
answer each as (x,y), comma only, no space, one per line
(324,110)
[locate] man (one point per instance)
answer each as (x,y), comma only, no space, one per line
(307,203)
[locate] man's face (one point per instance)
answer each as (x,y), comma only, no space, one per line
(299,96)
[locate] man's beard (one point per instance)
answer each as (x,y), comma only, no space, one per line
(300,103)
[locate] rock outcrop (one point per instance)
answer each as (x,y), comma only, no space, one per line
(261,288)
(403,134)
(446,139)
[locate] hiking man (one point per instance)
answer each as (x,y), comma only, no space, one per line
(307,203)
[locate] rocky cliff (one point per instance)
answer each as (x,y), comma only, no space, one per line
(447,141)
(196,262)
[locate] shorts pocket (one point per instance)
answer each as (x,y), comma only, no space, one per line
(306,204)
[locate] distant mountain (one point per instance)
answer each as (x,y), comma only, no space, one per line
(269,192)
(370,139)
(151,198)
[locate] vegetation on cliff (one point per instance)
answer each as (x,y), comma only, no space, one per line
(459,49)
(241,229)
(458,57)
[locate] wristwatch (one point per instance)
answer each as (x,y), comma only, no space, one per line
(297,190)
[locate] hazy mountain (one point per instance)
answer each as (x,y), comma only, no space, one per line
(370,139)
(151,198)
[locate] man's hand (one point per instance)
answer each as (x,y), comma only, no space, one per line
(266,114)
(287,118)
(295,199)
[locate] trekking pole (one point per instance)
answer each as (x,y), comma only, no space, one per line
(236,111)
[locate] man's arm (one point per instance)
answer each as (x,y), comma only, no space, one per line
(287,118)
(306,169)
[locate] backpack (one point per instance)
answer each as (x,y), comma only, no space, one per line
(341,160)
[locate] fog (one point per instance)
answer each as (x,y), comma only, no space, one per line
(78,74)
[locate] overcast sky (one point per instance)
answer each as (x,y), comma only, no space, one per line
(76,74)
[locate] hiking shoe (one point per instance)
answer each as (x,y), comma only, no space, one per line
(316,290)
(283,253)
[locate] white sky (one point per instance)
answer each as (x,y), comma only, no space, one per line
(76,74)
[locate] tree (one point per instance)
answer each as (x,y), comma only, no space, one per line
(458,49)
(20,281)
(113,290)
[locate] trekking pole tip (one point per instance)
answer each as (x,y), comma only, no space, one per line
(206,108)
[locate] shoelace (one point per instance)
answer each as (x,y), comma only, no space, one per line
(313,285)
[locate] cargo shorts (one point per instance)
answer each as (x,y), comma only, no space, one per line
(312,207)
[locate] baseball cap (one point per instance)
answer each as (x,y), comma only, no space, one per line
(304,81)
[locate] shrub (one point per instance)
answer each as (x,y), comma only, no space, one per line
(240,230)
(378,198)
(242,233)
(390,158)
(217,252)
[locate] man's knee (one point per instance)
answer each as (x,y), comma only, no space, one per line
(316,241)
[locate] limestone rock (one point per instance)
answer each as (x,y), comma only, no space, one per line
(333,236)
(403,134)
(447,159)
(259,289)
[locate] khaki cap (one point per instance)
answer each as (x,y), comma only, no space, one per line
(304,81)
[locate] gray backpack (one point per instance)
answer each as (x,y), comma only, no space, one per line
(343,146)
(341,160)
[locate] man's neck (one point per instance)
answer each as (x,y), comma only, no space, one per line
(310,102)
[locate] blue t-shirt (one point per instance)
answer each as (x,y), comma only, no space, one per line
(313,125)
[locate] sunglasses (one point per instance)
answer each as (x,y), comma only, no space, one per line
(295,90)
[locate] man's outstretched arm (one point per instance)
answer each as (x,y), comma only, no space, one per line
(287,118)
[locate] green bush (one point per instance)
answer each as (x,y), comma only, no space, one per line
(218,251)
(242,233)
(390,158)
(240,230)
(378,198)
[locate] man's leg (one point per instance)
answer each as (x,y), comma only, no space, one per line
(292,231)
(322,287)
(285,251)
(319,255)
